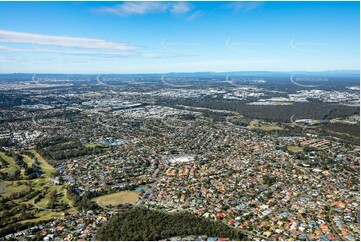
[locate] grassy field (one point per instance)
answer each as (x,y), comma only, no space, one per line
(91,145)
(117,198)
(12,165)
(294,149)
(28,160)
(314,121)
(45,166)
(67,143)
(145,186)
(65,199)
(44,215)
(13,187)
(261,125)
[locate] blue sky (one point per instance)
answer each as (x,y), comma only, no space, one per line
(160,37)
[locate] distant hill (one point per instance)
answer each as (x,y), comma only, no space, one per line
(347,73)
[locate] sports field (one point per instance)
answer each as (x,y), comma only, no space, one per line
(117,198)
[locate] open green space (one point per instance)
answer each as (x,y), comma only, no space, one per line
(44,215)
(265,126)
(12,164)
(294,149)
(91,145)
(28,160)
(13,187)
(38,193)
(117,198)
(44,165)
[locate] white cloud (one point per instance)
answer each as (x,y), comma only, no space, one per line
(180,7)
(141,8)
(12,59)
(137,8)
(63,41)
(244,6)
(63,51)
(86,52)
(36,43)
(194,15)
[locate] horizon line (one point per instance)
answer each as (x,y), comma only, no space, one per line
(160,73)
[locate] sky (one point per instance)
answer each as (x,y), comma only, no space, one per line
(162,37)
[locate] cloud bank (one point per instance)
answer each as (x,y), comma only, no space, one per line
(63,41)
(142,8)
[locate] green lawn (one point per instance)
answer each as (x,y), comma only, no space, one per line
(45,166)
(117,198)
(12,164)
(65,199)
(91,145)
(45,215)
(145,186)
(67,143)
(12,187)
(42,204)
(261,125)
(28,160)
(294,149)
(39,184)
